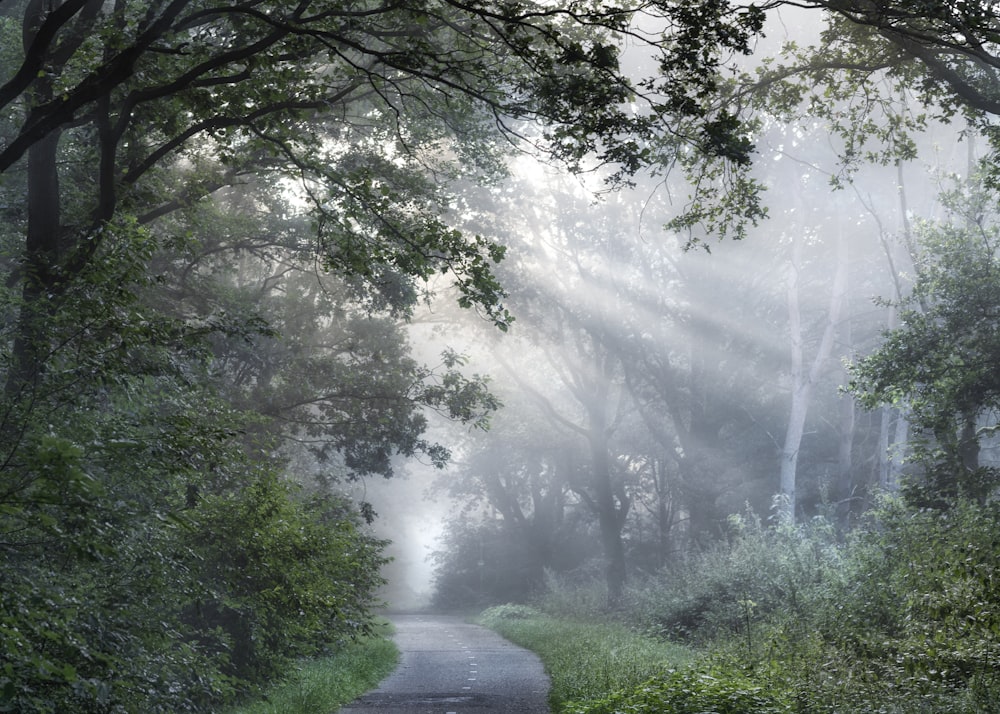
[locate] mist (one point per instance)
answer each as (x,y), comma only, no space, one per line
(655,382)
(676,317)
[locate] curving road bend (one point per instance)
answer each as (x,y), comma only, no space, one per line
(448,666)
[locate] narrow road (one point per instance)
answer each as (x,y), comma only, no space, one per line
(448,666)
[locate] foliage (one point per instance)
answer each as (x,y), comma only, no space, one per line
(127,599)
(898,617)
(508,611)
(314,94)
(330,681)
(326,365)
(585,660)
(281,575)
(687,692)
(940,362)
(760,573)
(917,603)
(881,73)
(124,477)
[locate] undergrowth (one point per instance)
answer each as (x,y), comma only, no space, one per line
(585,660)
(327,683)
(902,617)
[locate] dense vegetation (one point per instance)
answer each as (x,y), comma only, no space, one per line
(218,222)
(322,684)
(899,618)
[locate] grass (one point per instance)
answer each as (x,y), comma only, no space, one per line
(586,660)
(324,685)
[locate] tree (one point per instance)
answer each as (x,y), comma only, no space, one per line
(949,44)
(519,516)
(121,425)
(941,359)
(260,87)
(325,364)
(881,72)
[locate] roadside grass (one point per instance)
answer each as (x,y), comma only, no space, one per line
(897,618)
(586,660)
(325,684)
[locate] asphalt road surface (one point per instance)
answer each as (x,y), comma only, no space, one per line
(448,666)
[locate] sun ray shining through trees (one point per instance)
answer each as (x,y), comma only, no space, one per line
(683,310)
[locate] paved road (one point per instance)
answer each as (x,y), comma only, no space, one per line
(448,666)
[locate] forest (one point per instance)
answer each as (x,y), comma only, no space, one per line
(682,314)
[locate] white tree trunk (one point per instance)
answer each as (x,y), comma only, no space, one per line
(892,452)
(802,380)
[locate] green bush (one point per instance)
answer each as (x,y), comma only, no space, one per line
(687,692)
(919,600)
(118,597)
(510,611)
(279,575)
(725,591)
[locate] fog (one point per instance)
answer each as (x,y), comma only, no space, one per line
(692,351)
(316,311)
(655,381)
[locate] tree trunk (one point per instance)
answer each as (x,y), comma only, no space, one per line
(664,511)
(900,440)
(610,512)
(803,380)
(892,452)
(846,487)
(41,261)
(968,442)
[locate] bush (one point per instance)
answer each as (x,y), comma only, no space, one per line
(280,575)
(760,573)
(919,601)
(135,611)
(511,611)
(687,692)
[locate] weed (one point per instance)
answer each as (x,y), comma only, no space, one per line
(324,684)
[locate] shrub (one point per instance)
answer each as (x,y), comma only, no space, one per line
(919,599)
(687,692)
(280,575)
(510,611)
(760,573)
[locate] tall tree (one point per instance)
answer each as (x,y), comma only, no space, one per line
(261,86)
(804,376)
(941,358)
(324,363)
(516,479)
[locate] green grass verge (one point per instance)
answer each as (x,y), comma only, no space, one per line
(324,685)
(586,660)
